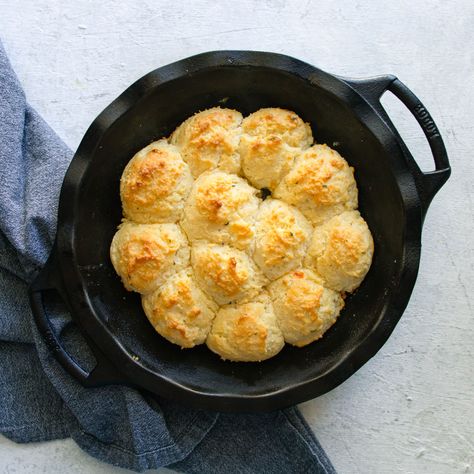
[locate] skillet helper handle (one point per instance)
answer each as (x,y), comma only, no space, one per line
(48,279)
(428,183)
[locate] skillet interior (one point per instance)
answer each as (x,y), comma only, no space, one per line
(245,89)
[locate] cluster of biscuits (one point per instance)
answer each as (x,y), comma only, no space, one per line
(241,233)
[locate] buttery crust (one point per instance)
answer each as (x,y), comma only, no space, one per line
(146,255)
(225,273)
(246,331)
(210,140)
(321,184)
(221,208)
(273,121)
(341,251)
(304,307)
(271,139)
(282,236)
(155,184)
(180,311)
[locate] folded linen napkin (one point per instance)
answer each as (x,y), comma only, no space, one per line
(39,401)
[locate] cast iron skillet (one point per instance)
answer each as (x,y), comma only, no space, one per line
(346,114)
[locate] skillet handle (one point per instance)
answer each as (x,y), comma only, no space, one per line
(428,183)
(48,279)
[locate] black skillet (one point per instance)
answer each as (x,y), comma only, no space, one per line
(344,113)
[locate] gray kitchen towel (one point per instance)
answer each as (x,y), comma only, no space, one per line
(39,401)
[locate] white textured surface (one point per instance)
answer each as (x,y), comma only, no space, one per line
(410,409)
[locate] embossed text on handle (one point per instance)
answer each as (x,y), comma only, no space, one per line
(425,118)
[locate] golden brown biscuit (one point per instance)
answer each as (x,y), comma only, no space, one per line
(304,308)
(221,208)
(246,331)
(180,311)
(155,184)
(265,161)
(225,273)
(146,255)
(321,184)
(282,123)
(271,138)
(210,140)
(341,251)
(282,236)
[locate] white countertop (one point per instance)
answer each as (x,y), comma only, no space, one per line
(409,410)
